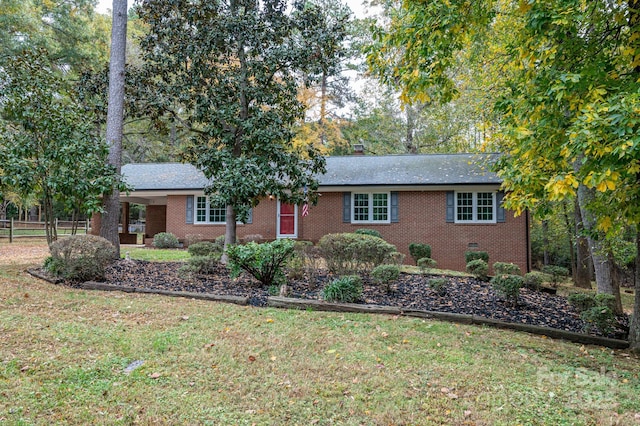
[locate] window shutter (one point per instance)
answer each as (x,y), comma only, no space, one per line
(394,208)
(451,209)
(346,207)
(189,215)
(501,215)
(250,216)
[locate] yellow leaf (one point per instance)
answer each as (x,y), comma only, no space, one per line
(604,224)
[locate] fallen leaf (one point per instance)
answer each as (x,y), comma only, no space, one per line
(269,320)
(331,351)
(467,413)
(452,395)
(209,345)
(154,375)
(252,358)
(445,390)
(184,318)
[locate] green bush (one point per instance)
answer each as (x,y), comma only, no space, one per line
(508,286)
(478,268)
(80,257)
(395,258)
(599,317)
(471,255)
(347,289)
(581,301)
(263,261)
(533,280)
(190,239)
(419,251)
(557,273)
(165,240)
(371,232)
(202,264)
(503,268)
(385,275)
(350,253)
(220,240)
(426,263)
(204,248)
(439,285)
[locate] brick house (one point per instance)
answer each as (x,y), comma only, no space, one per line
(450,201)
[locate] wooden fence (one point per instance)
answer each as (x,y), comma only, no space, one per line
(13,229)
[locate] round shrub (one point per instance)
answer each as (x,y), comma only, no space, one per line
(508,286)
(202,264)
(426,263)
(478,268)
(439,285)
(419,251)
(371,232)
(395,258)
(557,273)
(204,248)
(165,240)
(350,253)
(533,280)
(347,289)
(474,255)
(385,275)
(81,257)
(503,268)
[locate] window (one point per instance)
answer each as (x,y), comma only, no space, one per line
(475,207)
(207,213)
(370,207)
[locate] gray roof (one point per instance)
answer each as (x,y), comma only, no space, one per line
(355,170)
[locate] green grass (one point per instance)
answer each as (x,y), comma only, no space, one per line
(64,352)
(155,255)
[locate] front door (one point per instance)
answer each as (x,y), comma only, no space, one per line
(287,220)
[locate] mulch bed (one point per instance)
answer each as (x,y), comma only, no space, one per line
(463,296)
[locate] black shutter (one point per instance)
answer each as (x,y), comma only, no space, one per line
(346,207)
(451,207)
(394,208)
(189,215)
(501,215)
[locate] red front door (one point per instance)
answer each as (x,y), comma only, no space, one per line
(287,220)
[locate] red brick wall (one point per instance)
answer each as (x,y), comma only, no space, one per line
(422,220)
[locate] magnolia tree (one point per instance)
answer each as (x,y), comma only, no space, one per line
(227,70)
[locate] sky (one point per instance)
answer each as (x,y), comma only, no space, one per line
(355,5)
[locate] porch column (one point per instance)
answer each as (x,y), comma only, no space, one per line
(125,218)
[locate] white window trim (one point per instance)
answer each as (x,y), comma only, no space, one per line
(370,194)
(207,210)
(474,205)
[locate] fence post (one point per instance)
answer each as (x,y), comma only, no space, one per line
(11,231)
(55,226)
(86,227)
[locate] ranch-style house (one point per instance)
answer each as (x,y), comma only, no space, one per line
(450,201)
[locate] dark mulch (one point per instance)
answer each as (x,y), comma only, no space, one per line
(463,296)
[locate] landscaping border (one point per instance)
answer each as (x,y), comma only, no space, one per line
(319,305)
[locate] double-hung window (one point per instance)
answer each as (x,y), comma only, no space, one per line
(209,213)
(475,207)
(370,208)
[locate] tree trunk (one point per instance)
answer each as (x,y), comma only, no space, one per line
(634,326)
(601,263)
(115,118)
(230,235)
(582,275)
(545,242)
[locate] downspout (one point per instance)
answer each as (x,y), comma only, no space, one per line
(528,239)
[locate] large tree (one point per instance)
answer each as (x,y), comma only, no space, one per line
(568,106)
(47,148)
(115,119)
(230,66)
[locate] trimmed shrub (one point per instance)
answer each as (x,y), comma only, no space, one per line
(347,289)
(371,232)
(426,263)
(419,251)
(478,268)
(204,248)
(474,255)
(508,286)
(165,240)
(220,240)
(350,253)
(385,275)
(439,285)
(202,264)
(533,280)
(80,257)
(557,273)
(190,239)
(395,258)
(504,268)
(263,261)
(596,310)
(581,301)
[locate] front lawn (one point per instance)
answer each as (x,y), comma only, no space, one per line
(64,354)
